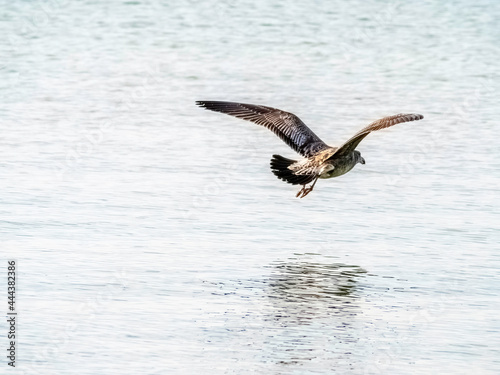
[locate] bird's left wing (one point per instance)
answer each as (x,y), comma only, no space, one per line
(383,123)
(285,125)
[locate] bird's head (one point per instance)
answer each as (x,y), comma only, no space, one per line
(359,158)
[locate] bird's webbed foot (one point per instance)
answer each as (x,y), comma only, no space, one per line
(304,191)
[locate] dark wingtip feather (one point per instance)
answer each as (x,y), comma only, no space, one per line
(218,106)
(208,104)
(417,117)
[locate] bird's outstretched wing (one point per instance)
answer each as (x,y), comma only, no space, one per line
(383,123)
(285,125)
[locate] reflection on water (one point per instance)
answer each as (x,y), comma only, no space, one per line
(301,291)
(312,311)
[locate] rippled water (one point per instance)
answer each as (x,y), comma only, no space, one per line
(152,238)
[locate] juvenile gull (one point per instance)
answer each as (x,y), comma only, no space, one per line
(319,160)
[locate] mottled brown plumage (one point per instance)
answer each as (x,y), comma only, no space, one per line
(320,160)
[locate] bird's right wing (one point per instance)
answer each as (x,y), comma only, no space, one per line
(383,123)
(285,125)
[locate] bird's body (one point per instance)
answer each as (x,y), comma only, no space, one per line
(319,160)
(324,166)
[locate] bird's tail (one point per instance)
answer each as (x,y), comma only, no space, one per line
(279,166)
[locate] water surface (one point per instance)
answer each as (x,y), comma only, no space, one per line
(152,238)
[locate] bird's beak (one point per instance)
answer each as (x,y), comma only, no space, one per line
(362,161)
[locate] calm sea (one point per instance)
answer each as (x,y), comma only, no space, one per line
(151,236)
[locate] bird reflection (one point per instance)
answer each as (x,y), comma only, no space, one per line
(313,309)
(303,291)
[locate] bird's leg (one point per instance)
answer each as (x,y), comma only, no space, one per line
(304,191)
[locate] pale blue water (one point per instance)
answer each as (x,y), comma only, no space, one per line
(151,236)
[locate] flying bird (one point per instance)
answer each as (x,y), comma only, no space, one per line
(319,160)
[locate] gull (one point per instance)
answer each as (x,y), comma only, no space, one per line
(318,159)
